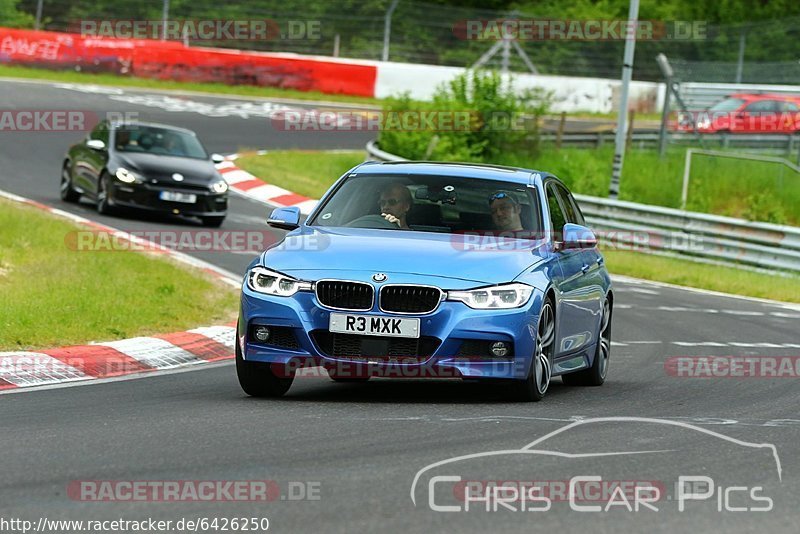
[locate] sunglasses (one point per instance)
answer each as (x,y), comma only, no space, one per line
(500,195)
(388,202)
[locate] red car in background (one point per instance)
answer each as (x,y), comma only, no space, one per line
(745,113)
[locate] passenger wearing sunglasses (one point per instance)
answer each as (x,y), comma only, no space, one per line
(505,212)
(395,202)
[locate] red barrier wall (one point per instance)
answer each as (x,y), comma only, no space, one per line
(169,60)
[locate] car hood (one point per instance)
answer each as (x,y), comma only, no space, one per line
(314,253)
(154,166)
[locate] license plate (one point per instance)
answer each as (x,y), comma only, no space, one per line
(373,325)
(173,196)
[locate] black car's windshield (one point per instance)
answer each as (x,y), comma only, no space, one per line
(159,141)
(423,203)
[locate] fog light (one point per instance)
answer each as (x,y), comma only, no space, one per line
(499,349)
(261,333)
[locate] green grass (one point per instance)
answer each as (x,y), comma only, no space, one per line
(703,276)
(314,172)
(68,76)
(306,172)
(54,296)
(737,188)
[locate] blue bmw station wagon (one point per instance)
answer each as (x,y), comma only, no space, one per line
(419,269)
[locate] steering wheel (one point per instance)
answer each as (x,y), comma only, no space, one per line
(372,221)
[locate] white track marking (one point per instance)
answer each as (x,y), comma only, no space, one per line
(234,177)
(154,352)
(641,290)
(225,335)
(34,369)
(307,206)
(699,344)
(638,281)
(756,345)
(124,378)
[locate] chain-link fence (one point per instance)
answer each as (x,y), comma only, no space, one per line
(420,32)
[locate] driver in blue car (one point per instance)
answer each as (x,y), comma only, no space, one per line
(505,212)
(395,202)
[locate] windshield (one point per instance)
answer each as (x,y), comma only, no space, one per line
(159,141)
(423,203)
(729,104)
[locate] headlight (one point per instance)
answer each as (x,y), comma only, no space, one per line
(263,280)
(219,187)
(495,297)
(126,176)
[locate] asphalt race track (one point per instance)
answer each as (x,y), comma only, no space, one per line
(344,456)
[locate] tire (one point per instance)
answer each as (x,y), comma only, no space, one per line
(68,194)
(596,374)
(103,205)
(212,222)
(535,386)
(258,380)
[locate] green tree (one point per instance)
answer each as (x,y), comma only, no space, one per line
(11,17)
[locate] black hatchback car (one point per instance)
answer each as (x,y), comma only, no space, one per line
(146,166)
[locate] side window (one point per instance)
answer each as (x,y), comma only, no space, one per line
(762,106)
(557,218)
(788,106)
(569,210)
(573,212)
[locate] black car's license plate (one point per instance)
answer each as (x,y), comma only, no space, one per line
(174,196)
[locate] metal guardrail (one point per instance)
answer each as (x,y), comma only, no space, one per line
(695,235)
(786,143)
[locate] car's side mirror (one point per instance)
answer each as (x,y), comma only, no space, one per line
(217,158)
(577,236)
(96,144)
(285,218)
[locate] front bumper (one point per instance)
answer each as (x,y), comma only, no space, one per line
(452,344)
(145,196)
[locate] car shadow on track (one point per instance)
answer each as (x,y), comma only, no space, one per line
(145,216)
(409,391)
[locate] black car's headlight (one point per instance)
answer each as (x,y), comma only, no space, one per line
(127,177)
(500,297)
(263,280)
(219,186)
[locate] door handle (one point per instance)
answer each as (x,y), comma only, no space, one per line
(585,269)
(600,260)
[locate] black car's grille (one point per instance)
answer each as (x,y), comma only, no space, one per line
(181,186)
(345,295)
(409,299)
(356,347)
